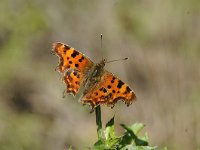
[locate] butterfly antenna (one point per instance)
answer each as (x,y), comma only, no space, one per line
(117,60)
(101,39)
(101,36)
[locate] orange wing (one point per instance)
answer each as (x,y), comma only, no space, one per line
(73,64)
(70,58)
(109,91)
(73,80)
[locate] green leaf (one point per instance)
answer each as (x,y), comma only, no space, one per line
(126,139)
(99,143)
(137,127)
(111,139)
(129,132)
(110,131)
(145,137)
(164,148)
(132,147)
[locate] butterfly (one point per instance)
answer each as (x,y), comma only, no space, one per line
(99,85)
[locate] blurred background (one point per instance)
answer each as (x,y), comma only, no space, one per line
(161,38)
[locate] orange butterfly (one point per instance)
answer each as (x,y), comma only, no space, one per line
(100,86)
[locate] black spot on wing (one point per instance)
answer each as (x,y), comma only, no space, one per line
(74,54)
(120,84)
(75,73)
(109,86)
(108,96)
(128,89)
(67,47)
(104,90)
(113,80)
(81,59)
(68,74)
(76,65)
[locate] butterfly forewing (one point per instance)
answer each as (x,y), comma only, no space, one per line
(71,58)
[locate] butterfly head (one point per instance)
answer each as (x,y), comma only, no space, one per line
(103,62)
(98,68)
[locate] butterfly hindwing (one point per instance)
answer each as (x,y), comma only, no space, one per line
(108,91)
(73,79)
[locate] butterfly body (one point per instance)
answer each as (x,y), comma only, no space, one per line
(100,86)
(94,76)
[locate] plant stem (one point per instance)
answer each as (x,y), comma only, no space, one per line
(98,122)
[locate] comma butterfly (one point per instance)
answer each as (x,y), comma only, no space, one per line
(100,86)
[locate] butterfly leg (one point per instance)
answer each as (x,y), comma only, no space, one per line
(53,52)
(93,108)
(61,79)
(112,106)
(57,68)
(64,94)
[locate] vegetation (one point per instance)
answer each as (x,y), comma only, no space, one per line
(161,39)
(130,140)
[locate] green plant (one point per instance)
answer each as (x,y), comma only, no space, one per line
(130,140)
